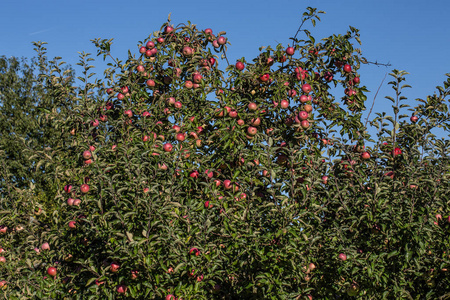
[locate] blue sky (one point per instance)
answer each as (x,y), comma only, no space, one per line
(411,35)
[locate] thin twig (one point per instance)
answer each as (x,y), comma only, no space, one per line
(373,103)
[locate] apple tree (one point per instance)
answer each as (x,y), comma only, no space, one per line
(183,175)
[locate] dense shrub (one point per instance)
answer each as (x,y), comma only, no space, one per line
(182,174)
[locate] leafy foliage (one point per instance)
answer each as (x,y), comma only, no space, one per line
(180,178)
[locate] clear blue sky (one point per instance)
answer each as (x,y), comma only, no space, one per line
(411,35)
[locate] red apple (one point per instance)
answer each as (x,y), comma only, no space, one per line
(45,246)
(304,124)
(342,257)
(227,184)
(151,83)
(68,188)
(51,271)
(304,99)
(221,40)
(414,119)
(168,147)
(252,106)
(72,224)
(150,45)
(290,51)
(84,188)
(284,103)
(303,115)
(188,84)
(122,289)
(197,78)
(264,77)
(347,68)
(365,155)
(87,154)
(252,130)
(306,88)
(396,151)
(240,66)
(187,51)
(114,267)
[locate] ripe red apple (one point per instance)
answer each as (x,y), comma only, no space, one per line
(170,297)
(140,68)
(168,147)
(51,271)
(290,51)
(306,88)
(168,29)
(197,78)
(114,267)
(208,31)
(151,83)
(150,45)
(304,124)
(142,50)
(160,40)
(414,119)
(187,51)
(180,137)
(122,289)
(84,188)
(72,224)
(325,179)
(240,66)
(76,202)
(45,246)
(252,106)
(2,259)
(256,122)
(233,114)
(303,99)
(68,188)
(396,151)
(221,40)
(284,103)
(264,77)
(188,84)
(356,80)
(178,105)
(227,184)
(303,115)
(365,155)
(342,257)
(252,130)
(347,68)
(308,108)
(87,154)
